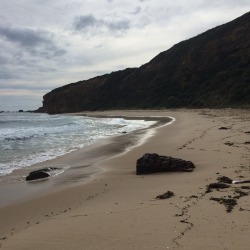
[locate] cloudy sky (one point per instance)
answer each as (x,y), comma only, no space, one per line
(49,43)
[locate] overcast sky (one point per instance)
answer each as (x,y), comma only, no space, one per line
(49,43)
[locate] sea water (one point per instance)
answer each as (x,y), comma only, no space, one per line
(29,138)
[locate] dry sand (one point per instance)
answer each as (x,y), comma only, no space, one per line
(117,209)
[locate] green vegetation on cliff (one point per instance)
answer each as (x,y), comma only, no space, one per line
(210,70)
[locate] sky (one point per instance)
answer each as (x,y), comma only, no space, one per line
(46,44)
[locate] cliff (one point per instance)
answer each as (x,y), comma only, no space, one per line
(210,70)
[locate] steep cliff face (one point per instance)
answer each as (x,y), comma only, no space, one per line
(209,70)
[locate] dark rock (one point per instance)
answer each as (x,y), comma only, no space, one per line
(37,175)
(247,142)
(229,143)
(166,195)
(40,110)
(225,179)
(152,163)
(40,174)
(20,111)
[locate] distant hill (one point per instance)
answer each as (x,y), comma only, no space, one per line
(210,70)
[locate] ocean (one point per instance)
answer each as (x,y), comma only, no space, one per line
(29,138)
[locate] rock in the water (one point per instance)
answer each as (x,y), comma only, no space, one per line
(152,163)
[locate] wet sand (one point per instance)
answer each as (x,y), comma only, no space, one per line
(116,209)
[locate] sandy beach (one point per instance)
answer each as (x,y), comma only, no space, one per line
(116,209)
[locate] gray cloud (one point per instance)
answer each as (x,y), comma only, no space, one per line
(120,25)
(84,22)
(22,86)
(24,69)
(5,75)
(25,37)
(2,60)
(36,42)
(91,23)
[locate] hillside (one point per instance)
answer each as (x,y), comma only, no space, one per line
(210,70)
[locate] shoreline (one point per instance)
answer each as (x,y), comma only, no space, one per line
(87,216)
(75,161)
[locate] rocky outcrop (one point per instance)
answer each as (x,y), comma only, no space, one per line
(209,70)
(153,163)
